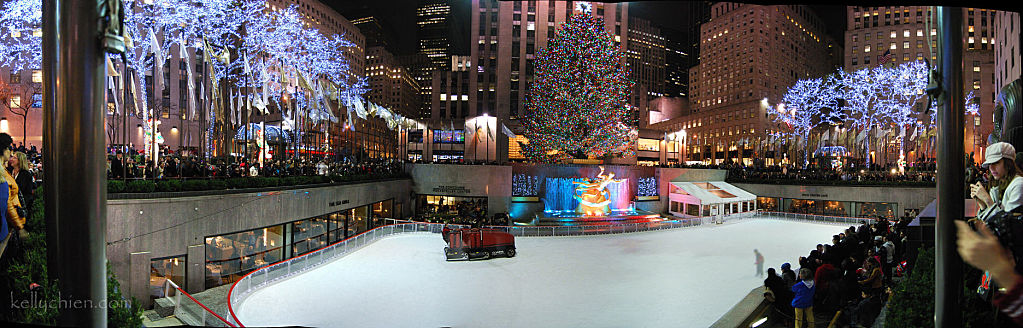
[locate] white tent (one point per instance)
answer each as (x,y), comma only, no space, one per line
(709,198)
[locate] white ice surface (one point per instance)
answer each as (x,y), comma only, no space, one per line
(671,278)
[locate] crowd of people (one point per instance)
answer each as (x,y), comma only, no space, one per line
(135,166)
(852,274)
(784,173)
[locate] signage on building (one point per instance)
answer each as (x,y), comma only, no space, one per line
(816,195)
(451,189)
(338,203)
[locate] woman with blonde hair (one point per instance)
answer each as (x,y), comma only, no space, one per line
(21,169)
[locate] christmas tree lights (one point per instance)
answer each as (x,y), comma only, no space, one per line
(578,103)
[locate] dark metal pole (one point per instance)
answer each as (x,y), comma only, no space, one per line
(50,47)
(948,271)
(76,193)
(124,121)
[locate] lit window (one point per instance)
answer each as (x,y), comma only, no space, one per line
(37,76)
(919,32)
(905,33)
(15,101)
(443,97)
(866,48)
(16,34)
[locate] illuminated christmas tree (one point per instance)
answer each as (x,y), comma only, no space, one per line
(578,103)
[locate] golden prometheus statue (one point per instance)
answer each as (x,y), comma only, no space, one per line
(594,199)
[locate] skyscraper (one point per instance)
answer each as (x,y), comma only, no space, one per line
(646,55)
(676,64)
(902,32)
(750,52)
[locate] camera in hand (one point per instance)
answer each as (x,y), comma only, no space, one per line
(1008,227)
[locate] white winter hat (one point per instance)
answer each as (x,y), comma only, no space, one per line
(997,152)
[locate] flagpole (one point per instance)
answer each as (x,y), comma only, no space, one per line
(124,121)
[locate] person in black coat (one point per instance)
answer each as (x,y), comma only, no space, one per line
(117,166)
(782,293)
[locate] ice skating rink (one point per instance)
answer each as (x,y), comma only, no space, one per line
(671,278)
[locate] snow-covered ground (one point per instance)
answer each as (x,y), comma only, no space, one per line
(671,278)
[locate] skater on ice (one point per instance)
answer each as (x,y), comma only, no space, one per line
(759,261)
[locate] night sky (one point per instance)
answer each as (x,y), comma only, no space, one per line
(399,16)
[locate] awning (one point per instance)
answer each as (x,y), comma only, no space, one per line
(711,192)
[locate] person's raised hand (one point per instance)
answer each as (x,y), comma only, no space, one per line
(982,250)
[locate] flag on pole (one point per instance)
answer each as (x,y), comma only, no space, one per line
(191,79)
(508,132)
(140,106)
(902,131)
(882,59)
(358,106)
(826,136)
(913,137)
(154,47)
(112,84)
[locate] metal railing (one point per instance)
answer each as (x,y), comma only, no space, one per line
(279,271)
(816,218)
(192,312)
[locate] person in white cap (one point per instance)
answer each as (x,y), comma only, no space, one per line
(1007,186)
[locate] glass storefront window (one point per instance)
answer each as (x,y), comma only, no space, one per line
(358,220)
(451,208)
(769,204)
(693,209)
(337,223)
(160,270)
(308,235)
(803,206)
(230,256)
(648,144)
(834,208)
(381,212)
(878,209)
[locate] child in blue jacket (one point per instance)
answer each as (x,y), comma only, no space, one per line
(802,302)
